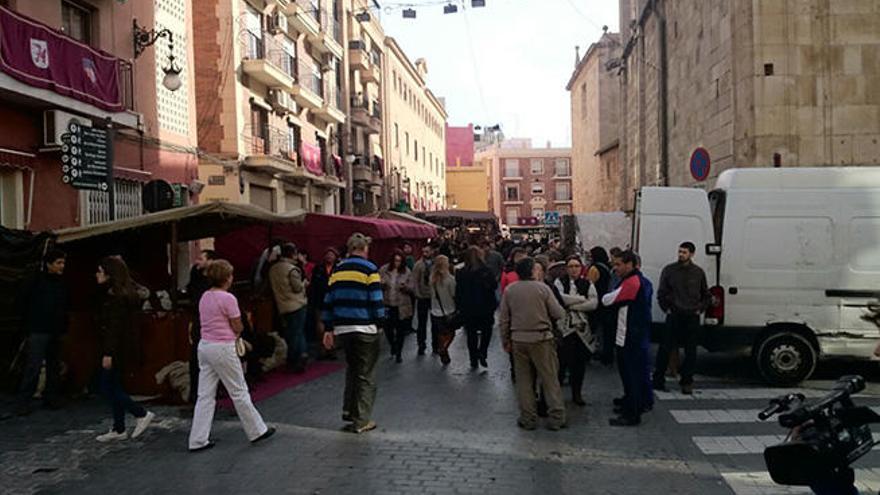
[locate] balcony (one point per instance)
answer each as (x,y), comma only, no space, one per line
(518,176)
(102,87)
(359,58)
(361,173)
(271,150)
(309,93)
(270,64)
(331,34)
(304,16)
(364,116)
(562,199)
(330,111)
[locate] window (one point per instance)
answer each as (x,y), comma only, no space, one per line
(537,166)
(584,101)
(424,159)
(288,58)
(264,197)
(128,202)
(564,210)
(416,150)
(563,168)
(254,24)
(563,191)
(76,21)
(11,199)
(511,168)
(512,215)
(538,213)
(396,136)
(512,193)
(407,143)
(294,139)
(538,188)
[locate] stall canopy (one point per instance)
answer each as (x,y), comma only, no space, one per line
(319,232)
(193,222)
(403,217)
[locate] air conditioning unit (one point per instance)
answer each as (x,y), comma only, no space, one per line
(278,23)
(55,124)
(281,101)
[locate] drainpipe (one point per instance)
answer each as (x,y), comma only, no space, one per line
(663,91)
(347,148)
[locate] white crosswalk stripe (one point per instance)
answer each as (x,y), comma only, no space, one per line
(718,416)
(760,483)
(739,393)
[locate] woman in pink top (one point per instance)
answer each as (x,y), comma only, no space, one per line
(221,325)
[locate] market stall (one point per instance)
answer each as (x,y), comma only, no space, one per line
(151,245)
(464,225)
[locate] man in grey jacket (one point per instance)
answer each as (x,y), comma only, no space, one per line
(289,289)
(528,310)
(421,287)
(683,295)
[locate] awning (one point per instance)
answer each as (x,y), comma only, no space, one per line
(20,161)
(403,217)
(194,222)
(132,174)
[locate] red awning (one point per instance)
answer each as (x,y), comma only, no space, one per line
(132,174)
(17,161)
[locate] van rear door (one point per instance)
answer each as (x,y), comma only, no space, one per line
(666,217)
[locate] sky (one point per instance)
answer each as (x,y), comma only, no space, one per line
(506,63)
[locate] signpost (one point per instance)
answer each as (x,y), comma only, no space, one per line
(701,163)
(551,218)
(87,160)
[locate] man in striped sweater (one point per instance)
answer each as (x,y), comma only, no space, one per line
(353,311)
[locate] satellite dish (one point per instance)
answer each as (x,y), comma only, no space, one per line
(158,196)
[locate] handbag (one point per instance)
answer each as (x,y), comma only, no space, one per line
(241,347)
(452,321)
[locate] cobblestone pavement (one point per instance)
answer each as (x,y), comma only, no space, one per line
(441,430)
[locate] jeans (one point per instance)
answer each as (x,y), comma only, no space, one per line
(42,346)
(361,354)
(538,358)
(680,329)
(634,367)
(423,307)
(574,356)
(479,335)
(294,335)
(396,329)
(120,401)
(219,362)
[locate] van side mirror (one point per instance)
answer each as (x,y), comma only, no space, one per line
(713,249)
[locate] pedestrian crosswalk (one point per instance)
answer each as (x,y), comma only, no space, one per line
(725,430)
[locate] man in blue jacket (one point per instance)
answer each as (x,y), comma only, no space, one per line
(632,338)
(353,310)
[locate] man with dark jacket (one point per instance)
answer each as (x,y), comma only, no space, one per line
(475,286)
(683,295)
(421,287)
(44,303)
(353,311)
(632,299)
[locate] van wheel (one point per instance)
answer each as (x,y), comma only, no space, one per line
(785,358)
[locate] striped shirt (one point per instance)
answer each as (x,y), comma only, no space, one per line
(354,297)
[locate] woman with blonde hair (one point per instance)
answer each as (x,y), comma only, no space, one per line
(443,313)
(218,361)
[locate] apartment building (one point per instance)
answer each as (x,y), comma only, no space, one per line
(366,51)
(270,102)
(78,61)
(467,180)
(415,133)
(528,182)
(595,104)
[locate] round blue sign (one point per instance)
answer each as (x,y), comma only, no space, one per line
(700,164)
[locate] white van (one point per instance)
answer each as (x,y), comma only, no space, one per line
(792,256)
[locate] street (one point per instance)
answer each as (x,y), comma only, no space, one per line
(440,431)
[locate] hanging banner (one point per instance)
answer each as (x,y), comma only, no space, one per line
(311,158)
(39,56)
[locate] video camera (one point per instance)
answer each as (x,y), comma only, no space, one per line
(825,437)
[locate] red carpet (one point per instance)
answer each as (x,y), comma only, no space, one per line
(279,381)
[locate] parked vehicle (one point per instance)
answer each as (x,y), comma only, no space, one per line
(792,257)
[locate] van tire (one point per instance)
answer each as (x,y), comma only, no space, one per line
(785,358)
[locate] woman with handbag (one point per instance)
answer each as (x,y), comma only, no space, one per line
(444,316)
(579,297)
(219,360)
(475,286)
(117,305)
(395,278)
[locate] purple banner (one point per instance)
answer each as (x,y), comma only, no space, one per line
(41,57)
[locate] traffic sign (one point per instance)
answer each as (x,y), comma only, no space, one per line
(551,218)
(86,157)
(701,163)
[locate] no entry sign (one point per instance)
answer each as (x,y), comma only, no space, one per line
(700,164)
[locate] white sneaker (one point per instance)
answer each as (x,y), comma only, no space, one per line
(111,436)
(142,424)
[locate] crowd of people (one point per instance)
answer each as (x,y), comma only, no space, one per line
(555,313)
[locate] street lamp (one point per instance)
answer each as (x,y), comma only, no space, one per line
(144,38)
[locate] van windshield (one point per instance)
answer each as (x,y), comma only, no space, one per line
(717,202)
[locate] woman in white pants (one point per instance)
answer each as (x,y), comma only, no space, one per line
(221,325)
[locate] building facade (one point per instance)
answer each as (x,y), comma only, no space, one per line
(528,182)
(594,127)
(270,102)
(365,90)
(415,133)
(467,180)
(62,77)
(764,83)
